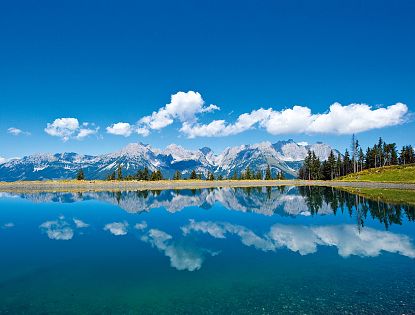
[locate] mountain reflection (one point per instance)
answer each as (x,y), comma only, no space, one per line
(292,201)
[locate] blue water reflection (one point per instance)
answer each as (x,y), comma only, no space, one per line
(211,240)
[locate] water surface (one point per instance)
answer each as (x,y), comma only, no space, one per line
(237,251)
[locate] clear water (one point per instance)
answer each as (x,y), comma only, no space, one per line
(212,251)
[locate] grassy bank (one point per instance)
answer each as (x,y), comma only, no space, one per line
(387,174)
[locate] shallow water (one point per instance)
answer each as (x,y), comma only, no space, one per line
(237,251)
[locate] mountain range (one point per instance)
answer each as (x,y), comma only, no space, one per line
(266,201)
(282,156)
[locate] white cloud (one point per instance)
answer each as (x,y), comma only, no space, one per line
(305,239)
(183,107)
(17,132)
(69,128)
(356,118)
(84,132)
(186,107)
(117,228)
(120,129)
(349,119)
(303,143)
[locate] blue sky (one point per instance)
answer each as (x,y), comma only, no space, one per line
(107,62)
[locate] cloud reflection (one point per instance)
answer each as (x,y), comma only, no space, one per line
(61,229)
(117,228)
(305,239)
(182,257)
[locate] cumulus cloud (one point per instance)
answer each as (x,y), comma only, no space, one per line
(186,108)
(17,132)
(306,239)
(120,129)
(117,228)
(69,128)
(183,107)
(182,257)
(339,119)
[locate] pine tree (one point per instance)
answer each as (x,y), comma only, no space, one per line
(347,163)
(119,172)
(258,175)
(193,175)
(234,175)
(111,176)
(80,175)
(146,173)
(177,175)
(339,165)
(210,176)
(361,159)
(268,175)
(331,165)
(248,174)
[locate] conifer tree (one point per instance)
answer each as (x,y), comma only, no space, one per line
(268,175)
(80,175)
(177,175)
(234,175)
(119,172)
(193,175)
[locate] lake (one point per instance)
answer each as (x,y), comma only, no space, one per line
(237,251)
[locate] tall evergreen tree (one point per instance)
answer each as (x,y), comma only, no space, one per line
(234,175)
(119,172)
(80,175)
(177,175)
(268,175)
(193,175)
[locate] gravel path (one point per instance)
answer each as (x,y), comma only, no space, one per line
(182,184)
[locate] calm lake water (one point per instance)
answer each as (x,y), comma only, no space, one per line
(210,251)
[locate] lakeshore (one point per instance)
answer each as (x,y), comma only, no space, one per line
(100,185)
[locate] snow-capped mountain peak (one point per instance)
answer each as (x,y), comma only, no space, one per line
(286,156)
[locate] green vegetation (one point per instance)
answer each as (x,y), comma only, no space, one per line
(145,175)
(392,174)
(354,164)
(80,175)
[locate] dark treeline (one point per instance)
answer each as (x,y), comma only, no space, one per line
(147,175)
(386,213)
(143,174)
(381,154)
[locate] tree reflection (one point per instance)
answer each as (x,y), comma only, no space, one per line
(386,213)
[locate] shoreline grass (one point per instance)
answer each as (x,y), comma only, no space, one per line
(386,174)
(103,185)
